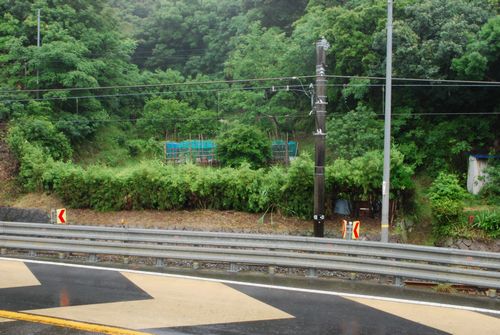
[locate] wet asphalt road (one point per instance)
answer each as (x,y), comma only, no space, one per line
(161,305)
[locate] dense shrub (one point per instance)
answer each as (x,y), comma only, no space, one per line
(40,132)
(33,163)
(243,143)
(446,196)
(299,187)
(154,185)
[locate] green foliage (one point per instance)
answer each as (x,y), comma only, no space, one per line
(447,186)
(361,177)
(489,221)
(33,163)
(483,52)
(355,133)
(149,149)
(446,196)
(491,190)
(255,55)
(300,182)
(42,133)
(107,147)
(241,144)
(160,117)
(168,117)
(80,47)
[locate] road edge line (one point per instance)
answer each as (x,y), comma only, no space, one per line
(85,326)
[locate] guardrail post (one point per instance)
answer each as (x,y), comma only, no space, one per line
(126,260)
(398,281)
(92,258)
(32,253)
(233,267)
(492,293)
(272,270)
(159,263)
(196,265)
(3,251)
(61,255)
(312,273)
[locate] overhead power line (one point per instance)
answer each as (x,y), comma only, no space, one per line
(283,88)
(208,82)
(419,79)
(275,88)
(435,82)
(237,117)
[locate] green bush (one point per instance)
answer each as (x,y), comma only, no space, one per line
(40,132)
(446,196)
(299,187)
(243,143)
(33,163)
(155,185)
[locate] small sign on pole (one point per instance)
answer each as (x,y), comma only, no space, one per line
(58,216)
(355,230)
(350,230)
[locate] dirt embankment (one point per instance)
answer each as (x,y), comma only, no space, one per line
(206,220)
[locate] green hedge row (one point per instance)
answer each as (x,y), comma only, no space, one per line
(154,185)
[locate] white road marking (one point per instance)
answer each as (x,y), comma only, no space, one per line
(175,303)
(284,288)
(15,274)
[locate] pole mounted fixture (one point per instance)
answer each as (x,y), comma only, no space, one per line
(319,138)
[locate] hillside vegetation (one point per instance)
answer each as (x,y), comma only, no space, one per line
(86,111)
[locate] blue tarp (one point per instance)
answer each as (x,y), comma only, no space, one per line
(207,148)
(279,145)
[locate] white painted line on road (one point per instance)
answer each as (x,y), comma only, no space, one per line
(284,288)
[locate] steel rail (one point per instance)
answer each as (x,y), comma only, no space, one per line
(455,266)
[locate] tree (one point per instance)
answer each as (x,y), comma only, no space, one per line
(39,132)
(80,47)
(353,134)
(243,143)
(482,58)
(161,117)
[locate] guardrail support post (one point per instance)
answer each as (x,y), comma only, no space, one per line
(159,263)
(3,251)
(126,260)
(233,267)
(312,273)
(272,270)
(32,253)
(61,255)
(492,293)
(398,281)
(196,265)
(92,258)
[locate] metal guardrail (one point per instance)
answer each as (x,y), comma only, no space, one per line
(476,268)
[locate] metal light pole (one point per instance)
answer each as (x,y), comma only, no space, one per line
(38,46)
(387,130)
(319,135)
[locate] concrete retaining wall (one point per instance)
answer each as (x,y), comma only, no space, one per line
(13,214)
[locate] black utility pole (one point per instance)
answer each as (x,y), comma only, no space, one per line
(319,136)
